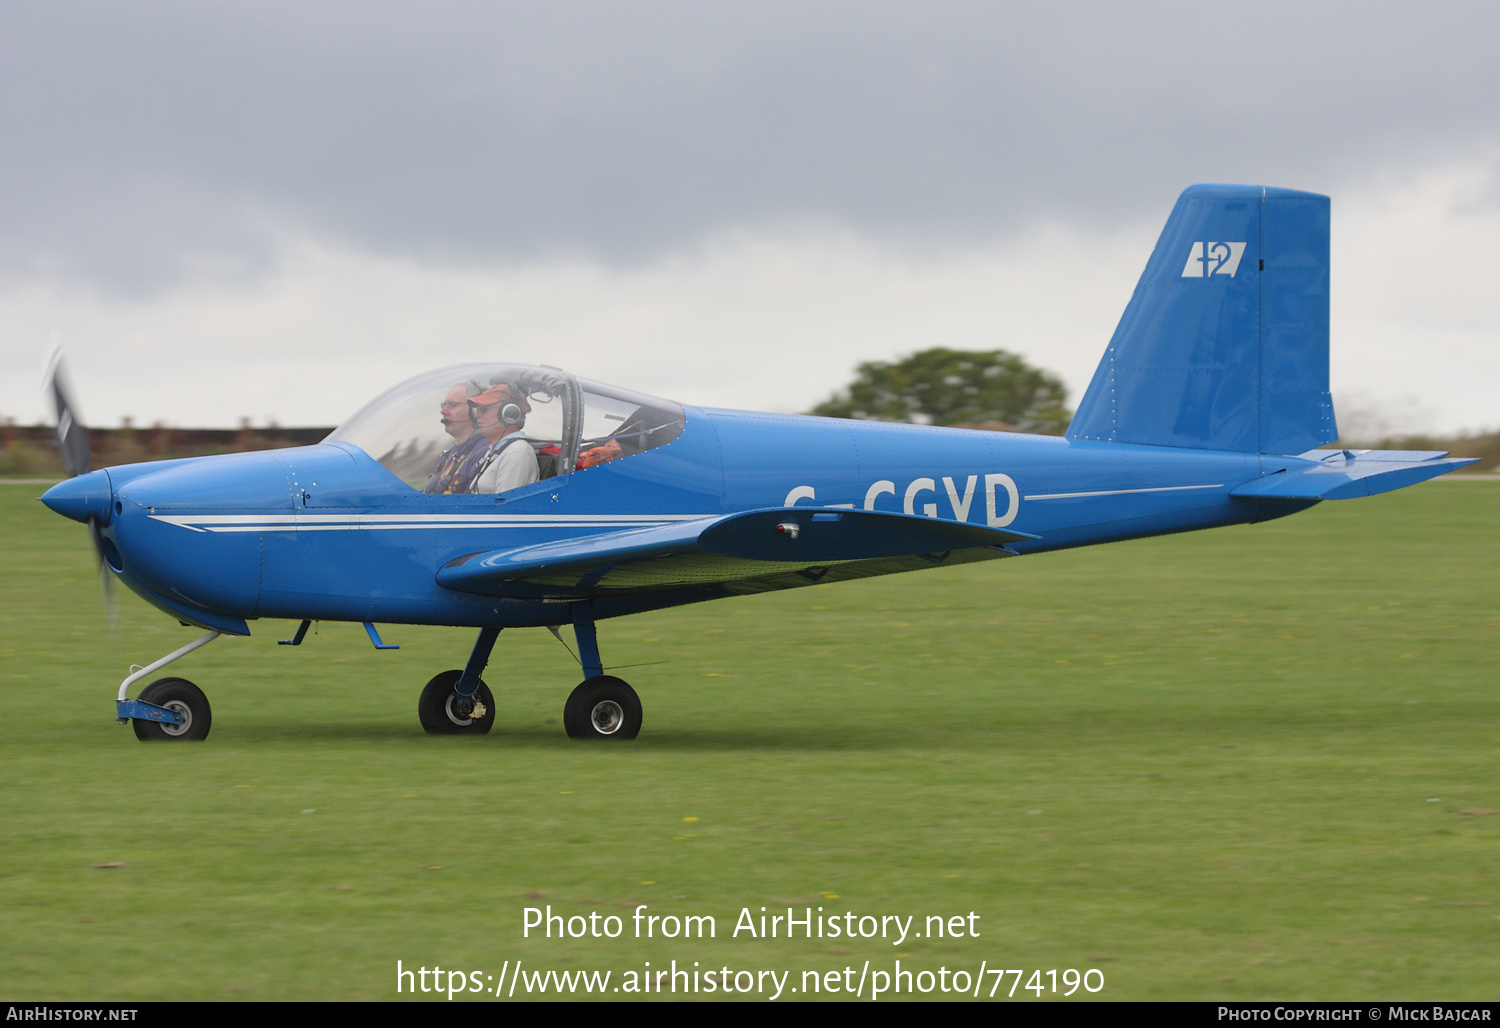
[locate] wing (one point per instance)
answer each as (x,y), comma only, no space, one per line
(756,550)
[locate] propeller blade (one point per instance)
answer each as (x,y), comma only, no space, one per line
(106,577)
(72,434)
(73,442)
(111,602)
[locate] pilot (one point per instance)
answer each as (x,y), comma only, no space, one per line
(455,467)
(510,462)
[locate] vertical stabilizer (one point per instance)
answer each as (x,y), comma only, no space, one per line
(1224,345)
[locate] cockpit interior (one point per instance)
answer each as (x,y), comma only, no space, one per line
(488,428)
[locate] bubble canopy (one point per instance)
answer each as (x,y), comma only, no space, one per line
(440,431)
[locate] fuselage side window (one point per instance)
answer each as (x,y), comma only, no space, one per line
(619,423)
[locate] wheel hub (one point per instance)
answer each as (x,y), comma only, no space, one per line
(607,717)
(453,714)
(177,706)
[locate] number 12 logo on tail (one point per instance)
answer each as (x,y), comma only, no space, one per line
(1206,259)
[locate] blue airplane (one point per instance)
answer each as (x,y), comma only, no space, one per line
(496,496)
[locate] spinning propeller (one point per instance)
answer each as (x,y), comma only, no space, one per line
(90,500)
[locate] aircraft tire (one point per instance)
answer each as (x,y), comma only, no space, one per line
(182,696)
(435,708)
(602,707)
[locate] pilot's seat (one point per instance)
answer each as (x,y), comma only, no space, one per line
(549,460)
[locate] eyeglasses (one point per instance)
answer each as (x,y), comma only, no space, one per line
(450,405)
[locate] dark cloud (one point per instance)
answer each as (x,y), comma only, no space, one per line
(148,140)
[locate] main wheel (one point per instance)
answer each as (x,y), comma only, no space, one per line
(602,707)
(186,699)
(435,708)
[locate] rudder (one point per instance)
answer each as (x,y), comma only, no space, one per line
(1224,344)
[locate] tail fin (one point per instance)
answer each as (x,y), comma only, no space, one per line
(1224,345)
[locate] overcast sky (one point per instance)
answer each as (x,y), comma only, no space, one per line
(277,210)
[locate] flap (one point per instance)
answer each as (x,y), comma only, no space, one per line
(723,549)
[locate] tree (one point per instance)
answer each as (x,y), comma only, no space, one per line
(955,387)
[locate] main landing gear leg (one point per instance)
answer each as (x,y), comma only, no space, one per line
(602,707)
(588,639)
(458,702)
(464,703)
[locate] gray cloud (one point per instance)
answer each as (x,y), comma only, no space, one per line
(147,142)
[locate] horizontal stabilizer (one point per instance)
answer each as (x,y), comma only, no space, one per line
(712,550)
(1345,474)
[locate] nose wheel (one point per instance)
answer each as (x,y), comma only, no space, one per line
(602,707)
(182,697)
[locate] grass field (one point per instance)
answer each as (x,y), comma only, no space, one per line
(1258,762)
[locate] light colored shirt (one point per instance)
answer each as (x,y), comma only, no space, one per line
(511,463)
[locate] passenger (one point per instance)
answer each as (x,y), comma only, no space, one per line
(456,467)
(510,462)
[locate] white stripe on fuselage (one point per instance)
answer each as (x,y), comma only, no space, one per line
(225,523)
(407,522)
(1119,492)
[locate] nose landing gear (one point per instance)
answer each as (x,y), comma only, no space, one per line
(169,709)
(182,698)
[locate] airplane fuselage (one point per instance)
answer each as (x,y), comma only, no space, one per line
(326,533)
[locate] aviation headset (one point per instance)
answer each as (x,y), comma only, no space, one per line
(510,413)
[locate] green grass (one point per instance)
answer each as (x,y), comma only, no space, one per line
(1230,765)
